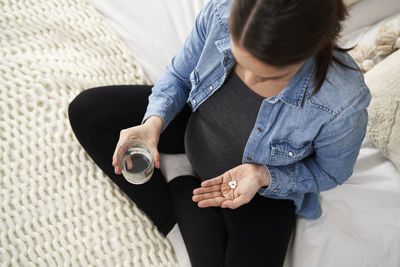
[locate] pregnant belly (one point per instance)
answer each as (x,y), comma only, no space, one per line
(211,149)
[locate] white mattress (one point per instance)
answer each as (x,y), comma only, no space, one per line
(360,223)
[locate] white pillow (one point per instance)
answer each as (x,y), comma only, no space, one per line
(384,111)
(154,30)
(364,14)
(379,41)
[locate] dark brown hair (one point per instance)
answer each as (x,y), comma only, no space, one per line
(285,32)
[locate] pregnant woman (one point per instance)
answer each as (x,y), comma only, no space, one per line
(263,111)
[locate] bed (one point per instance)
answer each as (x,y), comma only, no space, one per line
(57,208)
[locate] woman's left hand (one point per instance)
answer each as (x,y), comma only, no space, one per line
(217,192)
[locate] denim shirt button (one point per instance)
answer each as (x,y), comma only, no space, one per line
(275,190)
(249,159)
(194,101)
(290,154)
(211,87)
(226,59)
(259,129)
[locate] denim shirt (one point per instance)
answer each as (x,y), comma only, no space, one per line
(308,143)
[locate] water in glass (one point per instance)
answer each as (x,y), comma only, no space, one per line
(137,165)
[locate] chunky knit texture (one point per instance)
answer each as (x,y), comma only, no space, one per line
(57,208)
(386,41)
(384,110)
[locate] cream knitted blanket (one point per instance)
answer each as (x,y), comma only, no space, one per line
(57,208)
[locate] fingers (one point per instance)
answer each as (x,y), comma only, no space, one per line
(202,190)
(236,203)
(215,181)
(114,157)
(117,170)
(156,157)
(206,196)
(214,202)
(123,137)
(148,132)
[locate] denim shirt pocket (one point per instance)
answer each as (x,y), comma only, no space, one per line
(284,152)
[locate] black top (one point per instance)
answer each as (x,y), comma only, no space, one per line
(217,132)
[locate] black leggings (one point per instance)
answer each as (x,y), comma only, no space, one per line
(255,234)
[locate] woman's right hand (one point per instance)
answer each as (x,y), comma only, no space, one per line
(149,132)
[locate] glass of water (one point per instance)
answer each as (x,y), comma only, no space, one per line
(135,159)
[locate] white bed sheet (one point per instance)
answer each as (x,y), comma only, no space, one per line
(360,221)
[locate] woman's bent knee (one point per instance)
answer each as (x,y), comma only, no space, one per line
(80,108)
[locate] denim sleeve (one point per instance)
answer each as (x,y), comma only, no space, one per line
(171,92)
(336,149)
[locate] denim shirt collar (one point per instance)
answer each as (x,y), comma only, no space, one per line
(294,92)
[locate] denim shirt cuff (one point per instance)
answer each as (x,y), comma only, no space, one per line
(159,107)
(282,181)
